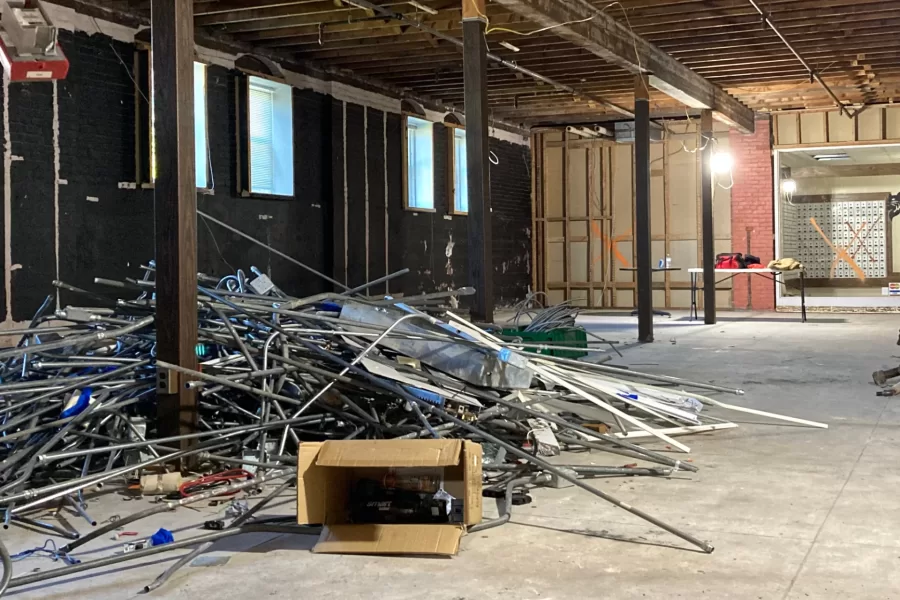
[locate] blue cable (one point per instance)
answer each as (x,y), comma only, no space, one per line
(52,553)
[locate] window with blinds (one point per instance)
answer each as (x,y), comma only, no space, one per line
(460,176)
(262,145)
(270,123)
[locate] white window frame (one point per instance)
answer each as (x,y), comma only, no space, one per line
(460,171)
(201,129)
(281,142)
(419,164)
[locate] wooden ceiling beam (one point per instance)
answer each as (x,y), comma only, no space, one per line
(606,38)
(786,11)
(247,24)
(814,27)
(207,8)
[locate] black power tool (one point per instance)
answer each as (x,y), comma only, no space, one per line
(372,502)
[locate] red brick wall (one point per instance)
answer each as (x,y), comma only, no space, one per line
(753,212)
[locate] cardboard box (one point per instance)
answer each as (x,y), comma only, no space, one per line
(327,471)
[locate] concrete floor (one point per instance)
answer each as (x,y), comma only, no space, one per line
(794,513)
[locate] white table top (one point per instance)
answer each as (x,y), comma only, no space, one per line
(700,270)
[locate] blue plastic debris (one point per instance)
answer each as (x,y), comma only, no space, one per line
(430,397)
(163,536)
(84,399)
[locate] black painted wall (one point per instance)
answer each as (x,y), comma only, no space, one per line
(107,231)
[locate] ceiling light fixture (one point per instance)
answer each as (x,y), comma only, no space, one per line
(839,156)
(721,163)
(509,46)
(422,7)
(788,186)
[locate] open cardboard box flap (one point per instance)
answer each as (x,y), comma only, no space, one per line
(389,539)
(326,472)
(390,453)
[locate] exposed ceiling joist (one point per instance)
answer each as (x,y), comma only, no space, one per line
(584,25)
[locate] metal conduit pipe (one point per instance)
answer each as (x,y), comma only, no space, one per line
(172,505)
(428,407)
(139,554)
(365,4)
(812,72)
(236,524)
(506,510)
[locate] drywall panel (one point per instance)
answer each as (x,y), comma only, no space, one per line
(869,125)
(812,127)
(577,182)
(624,299)
(601,297)
(892,122)
(578,228)
(579,297)
(787,129)
(658,253)
(555,230)
(840,128)
(578,254)
(555,297)
(556,262)
(659,298)
(683,185)
(680,298)
(553,182)
(622,190)
(625,249)
(684,256)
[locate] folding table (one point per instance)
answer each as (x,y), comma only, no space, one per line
(770,274)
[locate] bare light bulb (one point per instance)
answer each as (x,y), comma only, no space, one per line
(721,163)
(788,186)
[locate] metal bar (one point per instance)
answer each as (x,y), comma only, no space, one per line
(271,249)
(480,236)
(643,236)
(706,196)
(812,72)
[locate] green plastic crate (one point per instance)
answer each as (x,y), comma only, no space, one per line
(569,336)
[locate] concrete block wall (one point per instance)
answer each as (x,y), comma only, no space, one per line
(753,213)
(70,213)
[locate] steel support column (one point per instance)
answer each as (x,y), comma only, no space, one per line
(480,249)
(175,196)
(642,209)
(706,197)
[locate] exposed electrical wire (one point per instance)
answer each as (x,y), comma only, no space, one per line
(541,30)
(215,243)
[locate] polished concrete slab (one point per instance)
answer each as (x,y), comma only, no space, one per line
(794,513)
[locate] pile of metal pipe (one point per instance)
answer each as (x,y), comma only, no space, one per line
(78,393)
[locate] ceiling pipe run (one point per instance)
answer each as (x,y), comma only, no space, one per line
(812,72)
(365,4)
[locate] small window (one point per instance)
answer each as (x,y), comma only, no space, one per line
(271,137)
(201,134)
(460,170)
(419,164)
